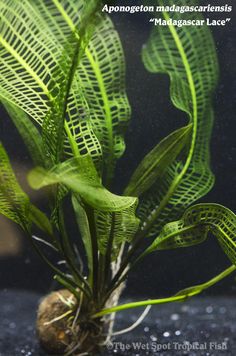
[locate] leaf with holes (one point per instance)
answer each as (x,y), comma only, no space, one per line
(195,226)
(37,70)
(14,203)
(188,56)
(46,80)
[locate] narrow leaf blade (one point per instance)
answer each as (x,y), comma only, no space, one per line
(28,131)
(83,225)
(40,220)
(156,162)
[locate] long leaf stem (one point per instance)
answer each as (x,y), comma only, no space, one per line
(69,253)
(108,255)
(93,234)
(51,265)
(105,261)
(127,260)
(121,276)
(65,283)
(177,298)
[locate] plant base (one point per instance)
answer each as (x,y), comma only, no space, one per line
(60,332)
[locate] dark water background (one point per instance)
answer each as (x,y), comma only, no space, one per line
(153,117)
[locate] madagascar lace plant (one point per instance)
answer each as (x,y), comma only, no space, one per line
(62,83)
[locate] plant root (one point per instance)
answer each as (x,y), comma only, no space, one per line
(63,330)
(52,321)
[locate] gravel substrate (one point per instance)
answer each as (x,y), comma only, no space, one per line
(200,326)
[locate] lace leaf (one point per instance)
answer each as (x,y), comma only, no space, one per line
(188,56)
(44,74)
(197,222)
(37,70)
(114,215)
(14,203)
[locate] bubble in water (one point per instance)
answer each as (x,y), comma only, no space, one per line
(185,308)
(153,338)
(12,325)
(177,332)
(146,329)
(222,310)
(166,334)
(175,317)
(209,309)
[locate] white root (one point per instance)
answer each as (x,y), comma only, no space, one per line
(134,325)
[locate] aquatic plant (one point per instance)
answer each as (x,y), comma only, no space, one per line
(62,82)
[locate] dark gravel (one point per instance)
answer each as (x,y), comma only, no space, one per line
(201,326)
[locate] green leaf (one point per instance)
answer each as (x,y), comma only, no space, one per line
(179,297)
(81,177)
(156,162)
(22,30)
(48,84)
(14,203)
(40,220)
(33,60)
(102,75)
(83,225)
(191,291)
(83,142)
(107,101)
(41,44)
(121,226)
(188,56)
(37,70)
(55,125)
(28,131)
(195,226)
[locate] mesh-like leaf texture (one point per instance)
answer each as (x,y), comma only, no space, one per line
(37,42)
(188,56)
(195,225)
(125,225)
(14,203)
